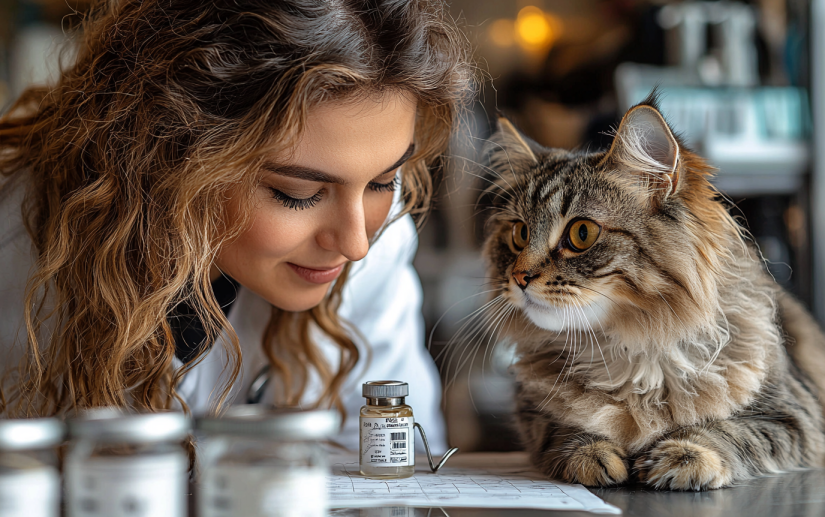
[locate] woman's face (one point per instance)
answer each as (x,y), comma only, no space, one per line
(317,208)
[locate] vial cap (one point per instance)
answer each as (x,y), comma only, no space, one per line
(113,424)
(385,389)
(30,433)
(286,424)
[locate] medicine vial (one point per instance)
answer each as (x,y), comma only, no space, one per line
(123,465)
(29,478)
(387,444)
(259,462)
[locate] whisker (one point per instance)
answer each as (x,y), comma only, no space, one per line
(550,395)
(475,323)
(474,347)
(501,310)
(432,332)
(593,334)
(505,318)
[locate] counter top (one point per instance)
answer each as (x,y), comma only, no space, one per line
(792,494)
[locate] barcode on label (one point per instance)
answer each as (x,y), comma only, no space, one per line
(398,436)
(399,445)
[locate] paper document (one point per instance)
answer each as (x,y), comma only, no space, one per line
(485,480)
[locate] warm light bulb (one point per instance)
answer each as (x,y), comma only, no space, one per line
(534,29)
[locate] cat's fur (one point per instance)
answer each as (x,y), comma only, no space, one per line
(664,352)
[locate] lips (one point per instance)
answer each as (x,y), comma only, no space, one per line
(317,275)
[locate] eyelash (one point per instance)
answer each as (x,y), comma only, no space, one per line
(294,203)
(385,187)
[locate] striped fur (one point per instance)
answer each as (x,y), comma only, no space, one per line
(664,352)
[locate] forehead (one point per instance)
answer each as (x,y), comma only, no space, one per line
(562,186)
(356,137)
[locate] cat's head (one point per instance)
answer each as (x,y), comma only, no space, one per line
(632,239)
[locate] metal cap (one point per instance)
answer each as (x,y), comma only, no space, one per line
(384,389)
(275,424)
(112,424)
(30,433)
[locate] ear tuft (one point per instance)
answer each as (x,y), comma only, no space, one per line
(510,135)
(645,145)
(508,148)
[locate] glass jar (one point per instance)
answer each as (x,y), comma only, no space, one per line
(387,443)
(29,477)
(123,465)
(258,462)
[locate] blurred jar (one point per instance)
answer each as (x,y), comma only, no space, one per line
(124,465)
(29,477)
(265,463)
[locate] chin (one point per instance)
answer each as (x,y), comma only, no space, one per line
(549,318)
(558,318)
(298,301)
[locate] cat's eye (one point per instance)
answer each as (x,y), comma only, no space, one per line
(583,234)
(521,235)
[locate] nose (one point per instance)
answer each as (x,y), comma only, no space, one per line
(523,278)
(347,233)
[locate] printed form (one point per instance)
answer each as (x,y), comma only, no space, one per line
(480,480)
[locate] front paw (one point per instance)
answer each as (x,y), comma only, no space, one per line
(600,463)
(682,465)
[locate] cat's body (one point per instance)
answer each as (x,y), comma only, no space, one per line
(659,349)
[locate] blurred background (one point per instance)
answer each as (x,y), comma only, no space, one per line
(743,82)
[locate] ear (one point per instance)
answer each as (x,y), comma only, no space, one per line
(507,149)
(646,149)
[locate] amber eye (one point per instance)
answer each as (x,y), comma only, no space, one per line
(521,235)
(583,234)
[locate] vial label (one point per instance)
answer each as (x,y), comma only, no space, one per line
(30,493)
(258,491)
(387,442)
(153,486)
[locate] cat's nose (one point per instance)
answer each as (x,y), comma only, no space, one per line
(523,278)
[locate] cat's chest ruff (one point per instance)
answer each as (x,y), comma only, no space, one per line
(633,400)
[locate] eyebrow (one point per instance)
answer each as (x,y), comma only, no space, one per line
(310,174)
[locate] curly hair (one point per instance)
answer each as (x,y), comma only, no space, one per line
(129,160)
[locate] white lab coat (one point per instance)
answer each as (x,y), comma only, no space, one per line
(382,299)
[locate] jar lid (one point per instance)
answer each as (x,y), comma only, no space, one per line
(113,424)
(30,433)
(276,424)
(385,389)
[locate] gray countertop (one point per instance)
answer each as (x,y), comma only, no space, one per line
(792,494)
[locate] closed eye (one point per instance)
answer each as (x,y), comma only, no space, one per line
(295,203)
(392,186)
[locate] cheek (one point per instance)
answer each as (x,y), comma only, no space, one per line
(272,234)
(376,208)
(269,236)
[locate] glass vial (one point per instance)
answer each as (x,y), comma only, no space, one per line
(258,462)
(387,442)
(122,465)
(29,479)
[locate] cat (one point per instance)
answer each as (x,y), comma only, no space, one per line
(651,343)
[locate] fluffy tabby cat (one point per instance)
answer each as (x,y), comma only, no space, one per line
(652,343)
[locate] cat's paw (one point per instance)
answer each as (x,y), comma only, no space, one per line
(682,465)
(599,463)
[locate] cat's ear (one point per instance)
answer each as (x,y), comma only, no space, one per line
(507,150)
(646,150)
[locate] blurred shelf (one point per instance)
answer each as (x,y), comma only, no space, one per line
(759,184)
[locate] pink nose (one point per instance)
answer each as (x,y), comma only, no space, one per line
(522,278)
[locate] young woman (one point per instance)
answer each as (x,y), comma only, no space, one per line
(217,194)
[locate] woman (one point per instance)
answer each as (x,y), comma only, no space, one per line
(199,193)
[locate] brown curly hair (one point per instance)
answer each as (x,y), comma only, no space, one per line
(129,160)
